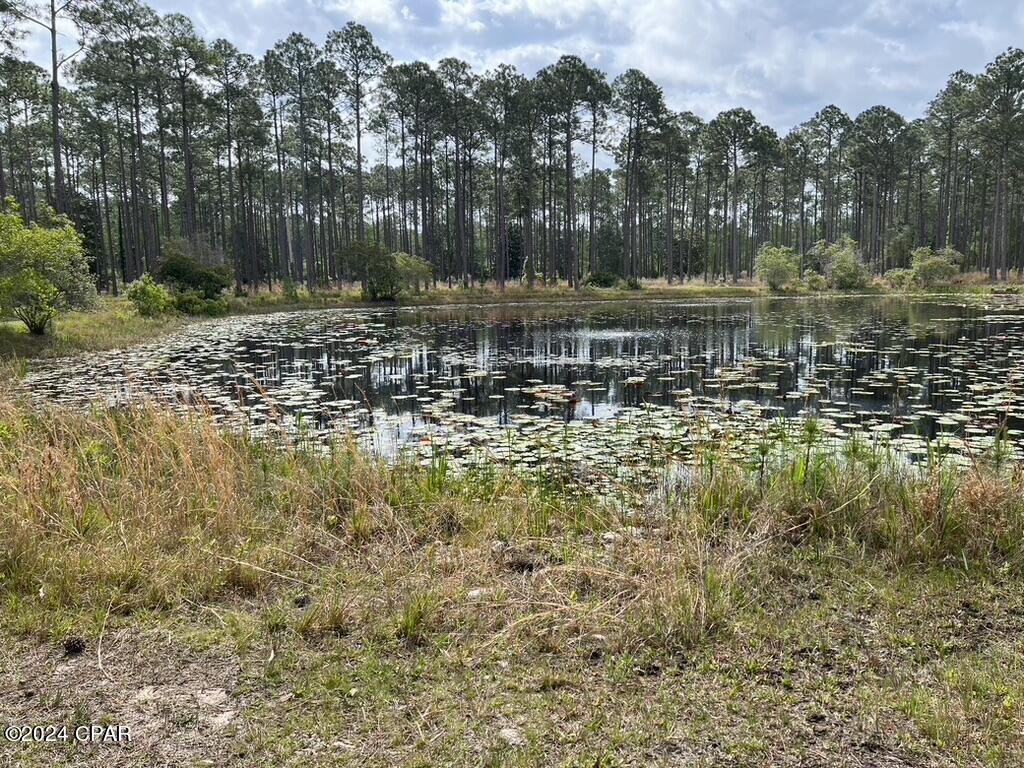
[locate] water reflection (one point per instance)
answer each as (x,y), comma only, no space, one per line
(905,369)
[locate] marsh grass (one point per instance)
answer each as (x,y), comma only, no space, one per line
(125,516)
(111,325)
(114,323)
(143,509)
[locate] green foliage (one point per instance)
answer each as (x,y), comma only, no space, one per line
(776,265)
(817,258)
(842,263)
(379,273)
(848,273)
(901,241)
(187,273)
(815,281)
(900,279)
(290,289)
(385,275)
(149,297)
(413,271)
(195,302)
(935,267)
(43,269)
(634,284)
(601,280)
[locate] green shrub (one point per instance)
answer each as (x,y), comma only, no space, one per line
(900,279)
(381,278)
(935,267)
(149,297)
(633,284)
(290,289)
(43,269)
(776,265)
(841,260)
(848,273)
(186,273)
(376,270)
(413,271)
(194,302)
(601,280)
(385,275)
(815,281)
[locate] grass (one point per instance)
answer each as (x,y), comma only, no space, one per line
(112,324)
(489,293)
(261,605)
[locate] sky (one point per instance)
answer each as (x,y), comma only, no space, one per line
(782,59)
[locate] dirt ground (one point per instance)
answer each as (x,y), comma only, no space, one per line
(179,705)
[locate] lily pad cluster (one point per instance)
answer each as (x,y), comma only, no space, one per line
(614,392)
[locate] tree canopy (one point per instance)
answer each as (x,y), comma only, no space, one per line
(153,139)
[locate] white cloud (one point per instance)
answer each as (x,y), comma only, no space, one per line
(382,13)
(784,59)
(461,14)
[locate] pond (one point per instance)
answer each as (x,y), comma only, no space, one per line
(609,387)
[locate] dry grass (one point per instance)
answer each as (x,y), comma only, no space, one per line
(321,571)
(140,508)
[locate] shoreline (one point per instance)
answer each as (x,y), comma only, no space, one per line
(114,324)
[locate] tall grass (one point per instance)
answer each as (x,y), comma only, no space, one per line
(140,509)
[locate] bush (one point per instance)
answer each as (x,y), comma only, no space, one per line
(633,284)
(193,302)
(149,297)
(900,279)
(842,261)
(601,280)
(934,268)
(381,282)
(815,281)
(290,290)
(43,270)
(186,273)
(385,275)
(848,273)
(776,265)
(413,271)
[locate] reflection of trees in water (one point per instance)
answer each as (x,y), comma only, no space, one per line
(847,349)
(851,337)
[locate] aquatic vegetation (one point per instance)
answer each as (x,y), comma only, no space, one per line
(608,395)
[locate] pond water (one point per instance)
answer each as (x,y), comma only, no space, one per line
(605,386)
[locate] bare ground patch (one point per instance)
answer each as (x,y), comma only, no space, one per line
(179,704)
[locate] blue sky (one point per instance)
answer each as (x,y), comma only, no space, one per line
(783,59)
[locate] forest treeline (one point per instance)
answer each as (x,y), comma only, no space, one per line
(303,163)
